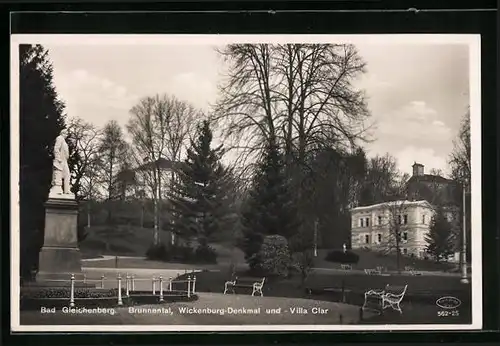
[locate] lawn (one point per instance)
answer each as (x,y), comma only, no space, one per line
(135,241)
(116,240)
(372,259)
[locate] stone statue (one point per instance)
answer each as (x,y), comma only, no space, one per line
(60,170)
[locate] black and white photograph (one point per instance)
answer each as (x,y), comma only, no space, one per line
(245,182)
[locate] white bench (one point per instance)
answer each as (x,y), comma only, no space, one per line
(391,297)
(346,267)
(372,272)
(256,286)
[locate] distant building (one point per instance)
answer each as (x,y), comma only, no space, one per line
(438,191)
(137,183)
(371,226)
(435,189)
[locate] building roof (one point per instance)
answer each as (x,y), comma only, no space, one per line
(429,178)
(422,203)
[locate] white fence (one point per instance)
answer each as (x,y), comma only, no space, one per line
(157,285)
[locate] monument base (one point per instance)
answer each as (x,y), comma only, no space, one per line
(57,264)
(60,257)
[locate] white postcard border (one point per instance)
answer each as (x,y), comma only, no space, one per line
(473,41)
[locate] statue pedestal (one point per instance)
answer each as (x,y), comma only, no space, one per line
(60,256)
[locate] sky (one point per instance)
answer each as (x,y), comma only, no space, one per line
(416,94)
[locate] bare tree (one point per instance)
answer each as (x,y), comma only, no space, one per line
(300,96)
(460,164)
(395,219)
(160,127)
(298,93)
(113,151)
(381,177)
(460,157)
(85,139)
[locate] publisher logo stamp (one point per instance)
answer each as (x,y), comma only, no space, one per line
(448,302)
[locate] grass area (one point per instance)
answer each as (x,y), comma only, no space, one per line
(135,241)
(372,259)
(213,281)
(116,240)
(144,263)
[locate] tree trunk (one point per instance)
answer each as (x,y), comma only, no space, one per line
(398,256)
(88,214)
(142,215)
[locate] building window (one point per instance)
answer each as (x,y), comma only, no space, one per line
(405,235)
(423,219)
(405,217)
(379,238)
(360,222)
(380,220)
(399,219)
(367,222)
(367,239)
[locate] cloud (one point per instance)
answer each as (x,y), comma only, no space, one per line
(194,88)
(412,123)
(372,83)
(92,97)
(426,156)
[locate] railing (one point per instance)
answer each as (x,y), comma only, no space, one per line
(130,281)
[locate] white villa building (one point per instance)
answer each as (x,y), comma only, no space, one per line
(371,225)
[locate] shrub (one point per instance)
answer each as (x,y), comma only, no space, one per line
(303,263)
(339,256)
(251,245)
(205,254)
(182,253)
(157,252)
(275,255)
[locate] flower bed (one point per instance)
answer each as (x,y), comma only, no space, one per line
(65,292)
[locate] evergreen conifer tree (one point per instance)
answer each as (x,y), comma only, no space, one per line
(41,121)
(271,207)
(197,198)
(440,237)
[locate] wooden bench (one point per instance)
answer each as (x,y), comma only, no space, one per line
(391,297)
(372,272)
(256,284)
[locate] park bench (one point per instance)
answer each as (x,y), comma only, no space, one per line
(372,272)
(391,297)
(412,271)
(256,284)
(346,267)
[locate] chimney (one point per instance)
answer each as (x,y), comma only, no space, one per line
(418,169)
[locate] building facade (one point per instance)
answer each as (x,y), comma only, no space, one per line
(374,227)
